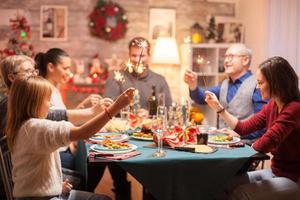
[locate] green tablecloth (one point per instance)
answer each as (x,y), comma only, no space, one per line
(184,175)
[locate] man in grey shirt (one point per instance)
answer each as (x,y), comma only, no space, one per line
(144,81)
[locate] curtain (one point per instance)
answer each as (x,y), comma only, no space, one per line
(283,31)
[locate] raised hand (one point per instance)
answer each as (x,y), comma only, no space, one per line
(190,78)
(125,98)
(91,100)
(213,101)
(106,102)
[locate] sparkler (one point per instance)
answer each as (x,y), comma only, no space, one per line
(118,76)
(200,60)
(138,68)
(142,45)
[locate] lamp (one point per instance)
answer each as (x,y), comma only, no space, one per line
(165,51)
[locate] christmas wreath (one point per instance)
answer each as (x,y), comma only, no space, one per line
(108,21)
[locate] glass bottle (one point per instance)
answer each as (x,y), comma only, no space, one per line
(152,102)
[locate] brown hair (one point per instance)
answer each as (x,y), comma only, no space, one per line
(136,41)
(11,65)
(282,79)
(53,56)
(23,107)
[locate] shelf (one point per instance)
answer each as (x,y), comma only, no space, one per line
(207,61)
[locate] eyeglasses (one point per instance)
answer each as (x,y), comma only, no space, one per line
(28,72)
(229,57)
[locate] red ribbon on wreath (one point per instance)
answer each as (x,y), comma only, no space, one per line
(108,21)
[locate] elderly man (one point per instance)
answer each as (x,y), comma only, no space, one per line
(237,93)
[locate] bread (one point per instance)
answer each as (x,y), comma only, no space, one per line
(201,148)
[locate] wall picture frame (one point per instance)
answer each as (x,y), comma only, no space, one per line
(53,23)
(230,30)
(162,22)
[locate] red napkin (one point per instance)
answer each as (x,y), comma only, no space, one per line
(115,156)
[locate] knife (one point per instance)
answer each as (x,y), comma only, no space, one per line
(188,149)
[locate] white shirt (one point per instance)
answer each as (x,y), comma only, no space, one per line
(56,101)
(36,162)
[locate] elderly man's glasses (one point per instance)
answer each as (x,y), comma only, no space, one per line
(229,57)
(28,72)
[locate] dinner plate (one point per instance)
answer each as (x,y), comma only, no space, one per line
(141,138)
(212,141)
(116,137)
(99,148)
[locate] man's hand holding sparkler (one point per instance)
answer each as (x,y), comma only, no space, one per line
(190,78)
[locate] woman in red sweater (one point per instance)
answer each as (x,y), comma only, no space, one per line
(278,82)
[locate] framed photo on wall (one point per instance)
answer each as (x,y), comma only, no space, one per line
(53,23)
(162,23)
(230,30)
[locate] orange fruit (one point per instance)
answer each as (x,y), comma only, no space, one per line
(198,117)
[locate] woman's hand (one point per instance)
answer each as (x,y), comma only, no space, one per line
(66,187)
(124,99)
(91,100)
(227,131)
(190,78)
(213,102)
(101,105)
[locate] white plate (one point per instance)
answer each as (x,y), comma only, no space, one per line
(234,140)
(95,147)
(116,137)
(141,138)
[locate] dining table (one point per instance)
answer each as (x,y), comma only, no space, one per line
(181,175)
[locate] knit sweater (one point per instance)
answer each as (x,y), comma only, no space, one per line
(36,162)
(282,137)
(143,84)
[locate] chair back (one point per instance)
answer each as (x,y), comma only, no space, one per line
(6,168)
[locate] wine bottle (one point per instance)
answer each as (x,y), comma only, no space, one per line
(152,101)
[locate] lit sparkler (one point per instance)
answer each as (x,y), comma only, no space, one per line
(200,61)
(118,76)
(138,68)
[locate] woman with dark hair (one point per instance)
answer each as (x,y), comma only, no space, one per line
(54,65)
(277,81)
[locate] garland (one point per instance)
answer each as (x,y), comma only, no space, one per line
(108,21)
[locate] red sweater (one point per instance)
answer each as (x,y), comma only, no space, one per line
(282,137)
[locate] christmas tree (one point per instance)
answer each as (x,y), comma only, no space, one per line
(19,43)
(211,32)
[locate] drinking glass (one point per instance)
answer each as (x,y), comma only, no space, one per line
(125,113)
(159,127)
(161,100)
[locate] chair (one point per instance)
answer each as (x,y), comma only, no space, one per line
(5,168)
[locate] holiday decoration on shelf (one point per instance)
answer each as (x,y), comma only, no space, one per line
(19,43)
(108,21)
(98,71)
(197,33)
(211,32)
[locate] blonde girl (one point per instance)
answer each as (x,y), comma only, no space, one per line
(34,140)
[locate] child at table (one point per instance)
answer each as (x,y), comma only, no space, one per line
(34,140)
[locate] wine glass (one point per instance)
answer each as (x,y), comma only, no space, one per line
(159,126)
(185,117)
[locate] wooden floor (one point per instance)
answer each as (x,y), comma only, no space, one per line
(105,186)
